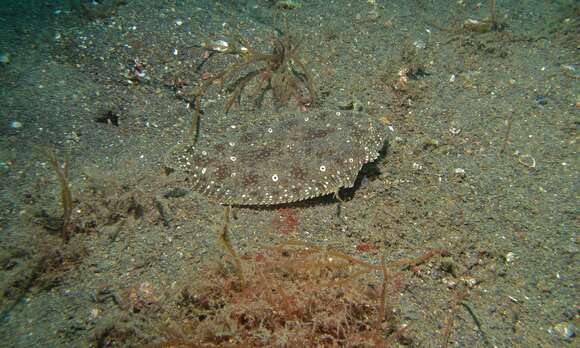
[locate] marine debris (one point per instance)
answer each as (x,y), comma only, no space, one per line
(305,155)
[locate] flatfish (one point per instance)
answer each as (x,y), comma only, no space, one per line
(302,156)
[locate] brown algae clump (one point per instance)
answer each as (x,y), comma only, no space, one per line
(298,295)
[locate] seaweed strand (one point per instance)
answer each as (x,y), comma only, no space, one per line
(230,249)
(62,173)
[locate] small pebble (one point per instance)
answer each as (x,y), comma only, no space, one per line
(509,257)
(5,58)
(470,281)
(571,67)
(420,44)
(364,182)
(542,100)
(572,312)
(454,131)
(564,330)
(459,172)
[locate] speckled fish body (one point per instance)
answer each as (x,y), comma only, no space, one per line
(305,155)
